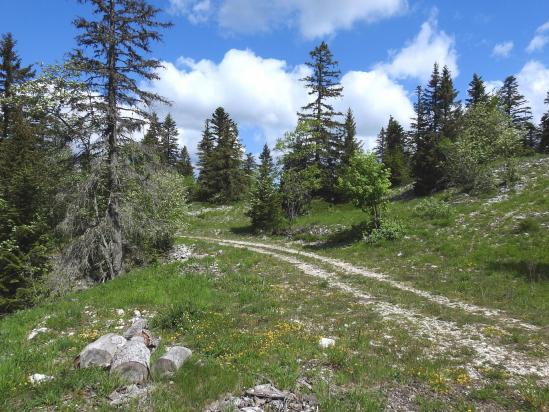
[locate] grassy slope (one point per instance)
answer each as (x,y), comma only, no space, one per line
(238,313)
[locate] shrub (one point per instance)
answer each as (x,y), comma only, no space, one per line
(431,208)
(388,230)
(528,225)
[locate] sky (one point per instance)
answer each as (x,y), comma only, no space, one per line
(248,55)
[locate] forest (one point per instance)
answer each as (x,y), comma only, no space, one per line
(94,186)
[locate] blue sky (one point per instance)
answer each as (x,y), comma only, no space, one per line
(248,55)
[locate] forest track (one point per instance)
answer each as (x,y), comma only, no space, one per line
(446,336)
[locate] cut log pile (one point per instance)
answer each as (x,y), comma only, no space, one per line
(129,355)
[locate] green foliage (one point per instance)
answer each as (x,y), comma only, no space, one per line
(528,225)
(392,152)
(168,141)
(431,208)
(265,210)
(184,165)
(387,230)
(486,135)
(179,316)
(366,182)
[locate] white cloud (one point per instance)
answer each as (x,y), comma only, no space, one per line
(373,96)
(197,11)
(539,41)
(492,86)
(417,57)
(313,18)
(503,49)
(266,94)
(533,80)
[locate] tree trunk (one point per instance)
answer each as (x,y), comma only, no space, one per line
(113,183)
(171,361)
(131,362)
(101,352)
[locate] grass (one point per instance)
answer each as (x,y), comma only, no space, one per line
(252,319)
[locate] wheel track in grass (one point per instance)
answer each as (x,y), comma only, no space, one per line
(447,336)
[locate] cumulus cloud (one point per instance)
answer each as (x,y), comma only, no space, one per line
(313,18)
(416,58)
(533,80)
(540,39)
(266,93)
(502,49)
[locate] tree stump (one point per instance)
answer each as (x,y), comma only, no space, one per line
(136,328)
(132,361)
(100,352)
(171,361)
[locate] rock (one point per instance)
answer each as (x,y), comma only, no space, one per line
(137,327)
(120,312)
(100,352)
(326,342)
(131,362)
(266,391)
(126,394)
(35,332)
(171,361)
(37,378)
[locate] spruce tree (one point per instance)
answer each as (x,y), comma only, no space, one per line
(477,91)
(323,84)
(205,163)
(11,74)
(513,103)
(449,107)
(350,144)
(381,144)
(152,138)
(393,156)
(168,141)
(544,130)
(265,210)
(111,59)
(184,165)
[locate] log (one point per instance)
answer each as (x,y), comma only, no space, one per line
(100,352)
(171,361)
(136,328)
(132,361)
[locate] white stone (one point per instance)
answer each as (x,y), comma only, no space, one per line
(120,312)
(35,332)
(326,342)
(39,378)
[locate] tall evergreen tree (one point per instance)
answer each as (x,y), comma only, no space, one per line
(111,59)
(449,108)
(393,156)
(350,144)
(544,130)
(184,165)
(11,74)
(326,136)
(168,141)
(513,103)
(152,137)
(381,144)
(265,210)
(205,163)
(477,91)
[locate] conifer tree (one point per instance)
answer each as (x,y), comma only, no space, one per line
(168,142)
(152,138)
(265,210)
(205,163)
(11,74)
(381,144)
(250,165)
(110,58)
(477,91)
(449,108)
(350,144)
(184,165)
(544,130)
(393,156)
(324,86)
(513,103)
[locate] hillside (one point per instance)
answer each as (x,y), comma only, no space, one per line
(452,316)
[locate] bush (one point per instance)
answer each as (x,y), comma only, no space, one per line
(178,316)
(528,225)
(431,208)
(388,230)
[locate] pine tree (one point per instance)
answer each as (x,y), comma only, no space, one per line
(449,108)
(111,60)
(184,165)
(205,163)
(513,103)
(393,156)
(544,127)
(250,165)
(381,144)
(168,141)
(350,144)
(152,138)
(265,210)
(11,74)
(432,103)
(477,91)
(324,86)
